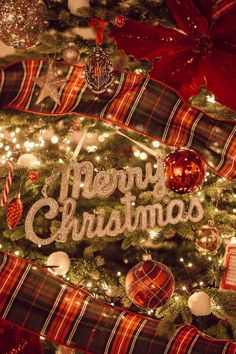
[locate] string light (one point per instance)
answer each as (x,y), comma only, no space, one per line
(143,156)
(210,98)
(155,144)
(54,139)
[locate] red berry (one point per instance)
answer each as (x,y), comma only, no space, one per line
(120,21)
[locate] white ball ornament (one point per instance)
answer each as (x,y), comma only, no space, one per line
(28,161)
(199,304)
(59,262)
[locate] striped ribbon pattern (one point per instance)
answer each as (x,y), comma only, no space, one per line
(34,299)
(8,183)
(133,101)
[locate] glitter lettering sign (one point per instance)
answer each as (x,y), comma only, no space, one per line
(102,185)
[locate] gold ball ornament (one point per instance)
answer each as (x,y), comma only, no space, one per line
(71,54)
(22,22)
(208,239)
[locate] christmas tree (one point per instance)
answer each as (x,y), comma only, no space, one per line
(35,147)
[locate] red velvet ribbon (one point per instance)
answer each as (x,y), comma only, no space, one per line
(99,26)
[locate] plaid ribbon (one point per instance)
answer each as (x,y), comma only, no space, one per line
(133,101)
(34,299)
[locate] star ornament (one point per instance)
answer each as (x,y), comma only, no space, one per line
(49,84)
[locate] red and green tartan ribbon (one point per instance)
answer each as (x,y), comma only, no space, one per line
(133,101)
(34,299)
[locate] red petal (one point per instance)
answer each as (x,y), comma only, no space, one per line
(220,72)
(205,7)
(182,71)
(187,16)
(224,32)
(144,41)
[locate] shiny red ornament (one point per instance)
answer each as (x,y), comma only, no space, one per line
(184,170)
(14,212)
(120,21)
(33,176)
(201,50)
(149,284)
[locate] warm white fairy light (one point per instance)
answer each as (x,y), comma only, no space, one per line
(184,288)
(136,153)
(89,284)
(119,274)
(0,246)
(181,260)
(210,258)
(210,98)
(101,138)
(201,283)
(97,158)
(190,265)
(54,139)
(176,298)
(17,253)
(143,156)
(153,234)
(155,144)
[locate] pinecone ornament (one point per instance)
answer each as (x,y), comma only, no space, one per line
(14,212)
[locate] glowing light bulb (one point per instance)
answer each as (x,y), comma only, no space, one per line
(54,139)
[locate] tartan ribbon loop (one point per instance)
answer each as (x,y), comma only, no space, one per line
(132,101)
(34,299)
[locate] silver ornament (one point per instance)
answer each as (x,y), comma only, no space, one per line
(22,22)
(71,54)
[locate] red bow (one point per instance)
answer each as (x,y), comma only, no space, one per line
(201,51)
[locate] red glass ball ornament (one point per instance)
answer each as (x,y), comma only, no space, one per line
(120,21)
(33,176)
(149,284)
(184,170)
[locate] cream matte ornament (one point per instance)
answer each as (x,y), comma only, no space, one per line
(200,304)
(59,262)
(28,161)
(74,5)
(49,84)
(22,22)
(102,185)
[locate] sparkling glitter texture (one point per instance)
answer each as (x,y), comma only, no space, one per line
(22,22)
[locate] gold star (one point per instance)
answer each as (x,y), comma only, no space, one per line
(49,84)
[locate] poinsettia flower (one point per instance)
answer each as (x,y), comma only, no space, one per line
(200,51)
